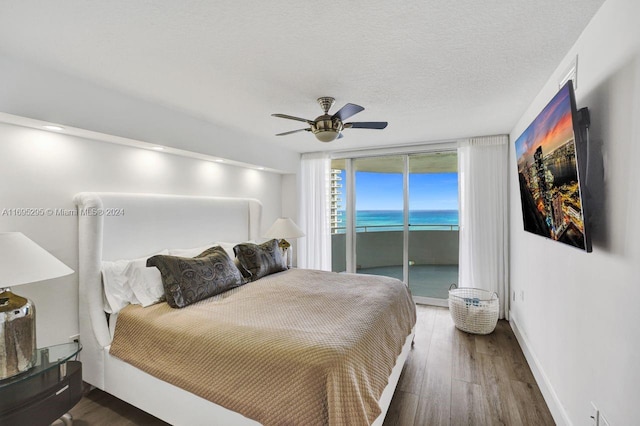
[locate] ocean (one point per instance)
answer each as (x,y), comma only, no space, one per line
(391,220)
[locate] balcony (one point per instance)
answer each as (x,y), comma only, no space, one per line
(381,199)
(433,256)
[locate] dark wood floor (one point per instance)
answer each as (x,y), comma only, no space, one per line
(450,378)
(455,378)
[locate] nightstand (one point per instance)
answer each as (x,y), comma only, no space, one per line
(46,392)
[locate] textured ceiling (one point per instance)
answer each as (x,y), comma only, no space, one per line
(435,70)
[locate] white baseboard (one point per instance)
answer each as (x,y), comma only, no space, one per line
(551,398)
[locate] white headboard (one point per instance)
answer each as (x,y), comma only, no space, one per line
(114,226)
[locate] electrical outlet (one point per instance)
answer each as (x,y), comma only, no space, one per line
(602,421)
(595,415)
(75,337)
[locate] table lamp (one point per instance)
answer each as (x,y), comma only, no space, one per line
(283,228)
(21,261)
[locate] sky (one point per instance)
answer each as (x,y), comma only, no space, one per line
(427,191)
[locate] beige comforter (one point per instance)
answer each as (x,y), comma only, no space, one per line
(299,347)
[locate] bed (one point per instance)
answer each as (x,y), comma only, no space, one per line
(127,226)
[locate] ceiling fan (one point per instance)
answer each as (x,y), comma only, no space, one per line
(327,127)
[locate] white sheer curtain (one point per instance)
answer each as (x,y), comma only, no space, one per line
(482,174)
(314,250)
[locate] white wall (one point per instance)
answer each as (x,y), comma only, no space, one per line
(45,169)
(580,317)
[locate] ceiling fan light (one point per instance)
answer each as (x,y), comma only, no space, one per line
(327,135)
(328,128)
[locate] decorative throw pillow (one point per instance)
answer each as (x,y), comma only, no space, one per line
(259,260)
(221,248)
(212,250)
(188,280)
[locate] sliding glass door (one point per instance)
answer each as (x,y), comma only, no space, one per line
(379,212)
(398,216)
(433,224)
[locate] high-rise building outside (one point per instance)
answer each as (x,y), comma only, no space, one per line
(335,200)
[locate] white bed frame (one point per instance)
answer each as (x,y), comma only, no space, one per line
(116,226)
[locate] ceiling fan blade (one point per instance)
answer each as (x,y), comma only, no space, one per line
(366,125)
(291,117)
(294,131)
(347,111)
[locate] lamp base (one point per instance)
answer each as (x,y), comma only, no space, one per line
(17,334)
(284,244)
(284,248)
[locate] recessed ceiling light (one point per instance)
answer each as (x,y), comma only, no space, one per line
(158,148)
(53,127)
(219,160)
(260,168)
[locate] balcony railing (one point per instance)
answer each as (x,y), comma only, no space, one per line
(412,227)
(429,244)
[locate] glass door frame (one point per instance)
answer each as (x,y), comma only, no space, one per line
(350,205)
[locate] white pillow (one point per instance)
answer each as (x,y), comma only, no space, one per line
(117,294)
(122,280)
(146,283)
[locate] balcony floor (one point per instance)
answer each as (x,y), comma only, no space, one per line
(424,280)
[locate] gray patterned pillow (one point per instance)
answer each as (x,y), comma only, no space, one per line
(187,280)
(259,260)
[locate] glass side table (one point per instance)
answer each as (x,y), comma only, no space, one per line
(46,392)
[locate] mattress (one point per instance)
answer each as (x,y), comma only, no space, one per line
(298,347)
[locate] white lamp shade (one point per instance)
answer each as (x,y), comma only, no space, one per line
(22,261)
(284,227)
